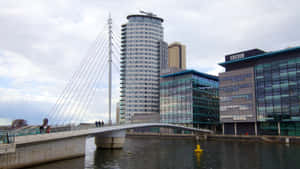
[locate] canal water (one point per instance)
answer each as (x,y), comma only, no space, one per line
(158,153)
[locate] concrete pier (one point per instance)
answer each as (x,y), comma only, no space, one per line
(111,140)
(32,154)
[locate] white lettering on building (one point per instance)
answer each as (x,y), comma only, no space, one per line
(237,56)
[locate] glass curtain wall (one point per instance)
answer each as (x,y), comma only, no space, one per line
(190,100)
(205,102)
(277,86)
(176,100)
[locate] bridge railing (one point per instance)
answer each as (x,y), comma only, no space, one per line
(7,137)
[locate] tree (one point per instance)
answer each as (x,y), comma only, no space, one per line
(18,123)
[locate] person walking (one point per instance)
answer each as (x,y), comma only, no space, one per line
(48,129)
(41,129)
(7,137)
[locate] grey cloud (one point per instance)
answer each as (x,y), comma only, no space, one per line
(55,35)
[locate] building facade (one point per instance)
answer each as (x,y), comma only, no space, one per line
(118,118)
(259,92)
(177,56)
(142,49)
(189,98)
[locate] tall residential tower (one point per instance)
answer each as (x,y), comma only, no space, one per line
(143,53)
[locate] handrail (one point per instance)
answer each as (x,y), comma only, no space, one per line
(7,137)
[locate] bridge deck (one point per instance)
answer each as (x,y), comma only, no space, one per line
(94,131)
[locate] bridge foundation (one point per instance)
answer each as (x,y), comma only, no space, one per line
(42,152)
(111,140)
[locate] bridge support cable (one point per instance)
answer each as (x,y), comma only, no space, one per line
(117,67)
(115,49)
(94,77)
(116,36)
(74,86)
(91,96)
(116,43)
(81,84)
(69,84)
(79,98)
(80,91)
(67,100)
(69,87)
(116,58)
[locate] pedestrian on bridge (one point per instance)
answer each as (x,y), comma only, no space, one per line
(41,129)
(48,129)
(7,137)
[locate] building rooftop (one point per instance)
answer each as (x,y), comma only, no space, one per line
(146,16)
(175,44)
(263,55)
(212,77)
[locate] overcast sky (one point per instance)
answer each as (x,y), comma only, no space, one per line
(43,41)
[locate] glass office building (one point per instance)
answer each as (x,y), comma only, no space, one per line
(275,92)
(189,98)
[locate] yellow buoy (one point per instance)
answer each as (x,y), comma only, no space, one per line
(198,149)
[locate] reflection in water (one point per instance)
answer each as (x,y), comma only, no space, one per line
(198,157)
(156,153)
(77,163)
(107,158)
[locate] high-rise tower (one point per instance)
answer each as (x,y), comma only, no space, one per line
(177,56)
(141,54)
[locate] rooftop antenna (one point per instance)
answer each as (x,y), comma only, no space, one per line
(147,13)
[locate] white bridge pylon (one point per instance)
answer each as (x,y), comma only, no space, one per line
(75,102)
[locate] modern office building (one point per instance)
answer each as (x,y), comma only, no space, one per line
(177,56)
(189,98)
(259,92)
(118,119)
(164,60)
(143,53)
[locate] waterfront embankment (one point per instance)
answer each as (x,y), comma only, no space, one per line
(215,137)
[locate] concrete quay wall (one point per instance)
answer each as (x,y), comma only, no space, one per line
(263,138)
(145,134)
(216,137)
(43,152)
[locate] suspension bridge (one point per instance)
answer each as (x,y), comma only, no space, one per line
(72,107)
